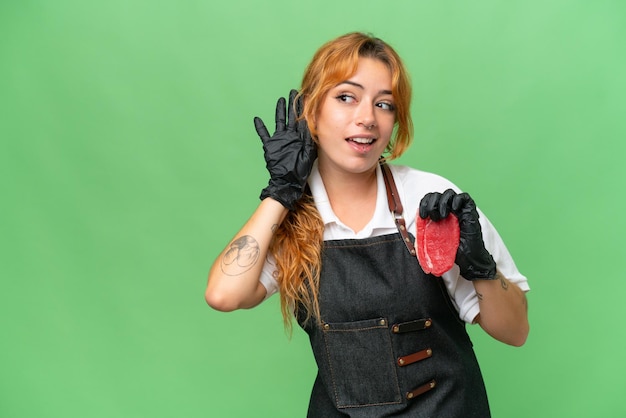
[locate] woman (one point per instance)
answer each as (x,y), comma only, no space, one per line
(334,235)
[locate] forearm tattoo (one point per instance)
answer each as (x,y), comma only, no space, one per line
(241,255)
(504,283)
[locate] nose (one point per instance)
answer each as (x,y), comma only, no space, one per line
(365,116)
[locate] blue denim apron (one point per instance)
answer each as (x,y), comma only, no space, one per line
(390,343)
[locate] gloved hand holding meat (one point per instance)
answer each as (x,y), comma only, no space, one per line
(473,259)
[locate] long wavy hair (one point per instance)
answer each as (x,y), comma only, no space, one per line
(297,243)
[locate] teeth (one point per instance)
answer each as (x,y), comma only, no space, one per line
(363,140)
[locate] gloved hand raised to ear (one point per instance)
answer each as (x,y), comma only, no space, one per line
(472,257)
(289,153)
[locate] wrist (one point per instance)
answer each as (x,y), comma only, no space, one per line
(271,205)
(484,269)
(286,195)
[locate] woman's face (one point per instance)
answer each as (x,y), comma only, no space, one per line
(355,122)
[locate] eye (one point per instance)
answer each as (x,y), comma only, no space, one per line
(346,98)
(386,106)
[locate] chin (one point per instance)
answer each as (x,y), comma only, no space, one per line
(359,165)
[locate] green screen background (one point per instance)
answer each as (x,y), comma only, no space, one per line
(128,159)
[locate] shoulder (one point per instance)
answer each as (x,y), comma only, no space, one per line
(413,184)
(419,179)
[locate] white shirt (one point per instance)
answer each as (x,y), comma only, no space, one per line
(412,185)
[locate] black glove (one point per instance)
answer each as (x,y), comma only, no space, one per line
(472,257)
(289,153)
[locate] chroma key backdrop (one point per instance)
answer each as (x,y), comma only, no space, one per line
(128,159)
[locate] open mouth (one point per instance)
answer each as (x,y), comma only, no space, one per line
(362,140)
(361,144)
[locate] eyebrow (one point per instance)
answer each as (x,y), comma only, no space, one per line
(363,88)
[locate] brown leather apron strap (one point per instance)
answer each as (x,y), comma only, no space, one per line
(395,206)
(422,389)
(415,357)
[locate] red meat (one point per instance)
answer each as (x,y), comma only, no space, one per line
(437,243)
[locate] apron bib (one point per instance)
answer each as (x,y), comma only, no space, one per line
(390,342)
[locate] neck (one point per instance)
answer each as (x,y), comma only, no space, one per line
(352,195)
(348,184)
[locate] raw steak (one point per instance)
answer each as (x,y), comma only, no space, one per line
(436,243)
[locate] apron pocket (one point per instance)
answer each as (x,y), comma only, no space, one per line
(361,363)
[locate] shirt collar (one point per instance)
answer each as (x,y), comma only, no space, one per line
(382,218)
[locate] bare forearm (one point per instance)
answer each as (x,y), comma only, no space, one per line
(234,277)
(503,310)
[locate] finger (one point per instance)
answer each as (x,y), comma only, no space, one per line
(463,203)
(310,145)
(299,106)
(428,206)
(280,115)
(291,118)
(424,203)
(302,126)
(445,203)
(261,130)
(303,131)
